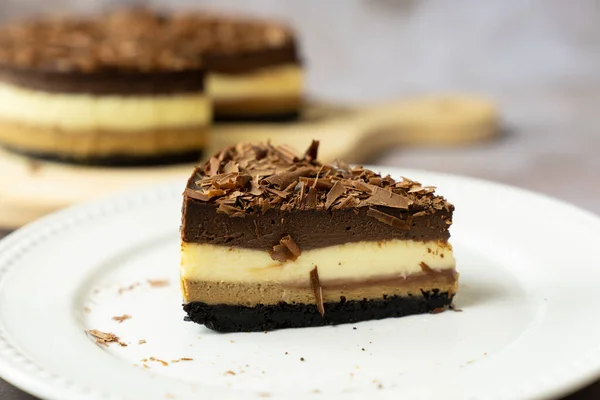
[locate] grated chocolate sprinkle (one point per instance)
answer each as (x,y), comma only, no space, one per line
(252,179)
(135,39)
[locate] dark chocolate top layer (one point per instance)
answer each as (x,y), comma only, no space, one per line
(107,82)
(138,51)
(255,196)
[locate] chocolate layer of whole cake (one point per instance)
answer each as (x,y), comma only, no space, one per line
(267,235)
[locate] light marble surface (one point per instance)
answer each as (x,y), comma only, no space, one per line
(538,60)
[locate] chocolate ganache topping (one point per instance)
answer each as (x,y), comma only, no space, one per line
(266,197)
(135,51)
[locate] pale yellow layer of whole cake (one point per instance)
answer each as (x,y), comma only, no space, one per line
(85,112)
(359,260)
(270,82)
(102,143)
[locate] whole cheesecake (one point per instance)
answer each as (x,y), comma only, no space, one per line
(123,88)
(136,86)
(273,240)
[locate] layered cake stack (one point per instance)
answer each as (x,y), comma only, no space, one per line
(271,240)
(137,87)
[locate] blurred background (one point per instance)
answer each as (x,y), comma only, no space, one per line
(538,61)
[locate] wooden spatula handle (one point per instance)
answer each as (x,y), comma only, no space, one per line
(438,121)
(357,135)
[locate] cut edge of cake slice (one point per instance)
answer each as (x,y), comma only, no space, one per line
(273,240)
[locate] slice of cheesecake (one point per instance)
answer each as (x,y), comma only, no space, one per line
(271,240)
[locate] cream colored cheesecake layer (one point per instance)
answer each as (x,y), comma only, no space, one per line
(361,260)
(83,112)
(271,82)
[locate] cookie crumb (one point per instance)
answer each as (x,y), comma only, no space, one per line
(87,309)
(230,372)
(186,359)
(34,166)
(157,283)
(104,338)
(264,394)
(128,288)
(121,318)
(142,341)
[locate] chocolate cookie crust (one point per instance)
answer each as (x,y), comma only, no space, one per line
(254,196)
(233,318)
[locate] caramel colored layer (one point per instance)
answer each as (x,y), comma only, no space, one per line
(247,294)
(257,106)
(102,143)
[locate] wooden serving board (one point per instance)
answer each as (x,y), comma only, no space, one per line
(30,188)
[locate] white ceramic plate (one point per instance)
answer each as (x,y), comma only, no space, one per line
(529,327)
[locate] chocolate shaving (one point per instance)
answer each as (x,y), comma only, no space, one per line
(214,164)
(121,318)
(321,183)
(336,191)
(231,167)
(194,194)
(312,151)
(256,229)
(425,268)
(286,250)
(382,197)
(255,188)
(281,193)
(286,153)
(376,180)
(283,179)
(387,219)
(388,180)
(310,200)
(288,242)
(317,290)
